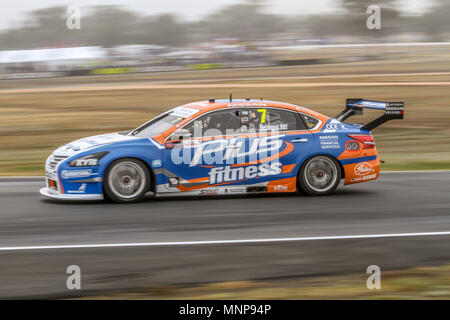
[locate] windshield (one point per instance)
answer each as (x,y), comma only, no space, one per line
(163,122)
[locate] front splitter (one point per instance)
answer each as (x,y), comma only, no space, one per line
(48,194)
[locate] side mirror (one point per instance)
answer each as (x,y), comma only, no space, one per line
(181,134)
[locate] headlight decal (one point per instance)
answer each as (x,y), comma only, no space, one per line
(90,160)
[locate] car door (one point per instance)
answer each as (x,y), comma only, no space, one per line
(194,160)
(277,150)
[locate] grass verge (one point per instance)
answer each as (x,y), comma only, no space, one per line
(414,283)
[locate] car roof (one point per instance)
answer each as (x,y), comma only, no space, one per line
(213,104)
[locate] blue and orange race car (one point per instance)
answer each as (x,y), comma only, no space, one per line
(218,147)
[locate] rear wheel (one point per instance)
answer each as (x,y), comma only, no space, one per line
(319,175)
(126,180)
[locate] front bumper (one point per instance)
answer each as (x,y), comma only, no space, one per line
(52,194)
(70,183)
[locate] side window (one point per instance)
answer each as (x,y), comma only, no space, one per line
(214,124)
(310,122)
(277,120)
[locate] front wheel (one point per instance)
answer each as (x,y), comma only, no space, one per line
(319,175)
(126,180)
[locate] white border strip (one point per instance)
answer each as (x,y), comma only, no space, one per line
(207,242)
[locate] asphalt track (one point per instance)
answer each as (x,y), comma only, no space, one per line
(401,220)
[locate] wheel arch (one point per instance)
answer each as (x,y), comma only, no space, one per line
(320,154)
(147,165)
(301,166)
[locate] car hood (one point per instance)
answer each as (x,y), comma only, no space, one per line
(84,144)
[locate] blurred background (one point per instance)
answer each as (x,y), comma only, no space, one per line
(209,43)
(128,61)
(46,62)
(225,34)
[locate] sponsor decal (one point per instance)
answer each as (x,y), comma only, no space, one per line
(280,187)
(330,141)
(395,109)
(372,104)
(235,190)
(227,151)
(274,127)
(209,192)
(68,174)
(85,143)
(81,189)
(363,169)
(364,178)
(84,162)
(247,104)
(156,163)
(334,125)
(183,112)
(228,174)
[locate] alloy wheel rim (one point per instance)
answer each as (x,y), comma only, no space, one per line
(320,174)
(127,179)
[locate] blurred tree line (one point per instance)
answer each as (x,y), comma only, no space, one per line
(115,25)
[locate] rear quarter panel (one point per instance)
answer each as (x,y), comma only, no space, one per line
(360,164)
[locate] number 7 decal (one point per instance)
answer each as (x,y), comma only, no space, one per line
(263,116)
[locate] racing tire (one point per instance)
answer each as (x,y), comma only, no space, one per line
(126,180)
(319,175)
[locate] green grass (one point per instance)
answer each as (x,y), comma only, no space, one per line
(416,283)
(416,166)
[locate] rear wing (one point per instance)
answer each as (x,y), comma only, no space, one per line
(392,110)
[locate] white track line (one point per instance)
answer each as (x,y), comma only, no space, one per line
(207,242)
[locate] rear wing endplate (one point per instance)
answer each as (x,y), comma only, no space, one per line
(392,110)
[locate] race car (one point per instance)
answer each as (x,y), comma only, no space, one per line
(219,147)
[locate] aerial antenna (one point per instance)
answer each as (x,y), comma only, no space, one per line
(231,97)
